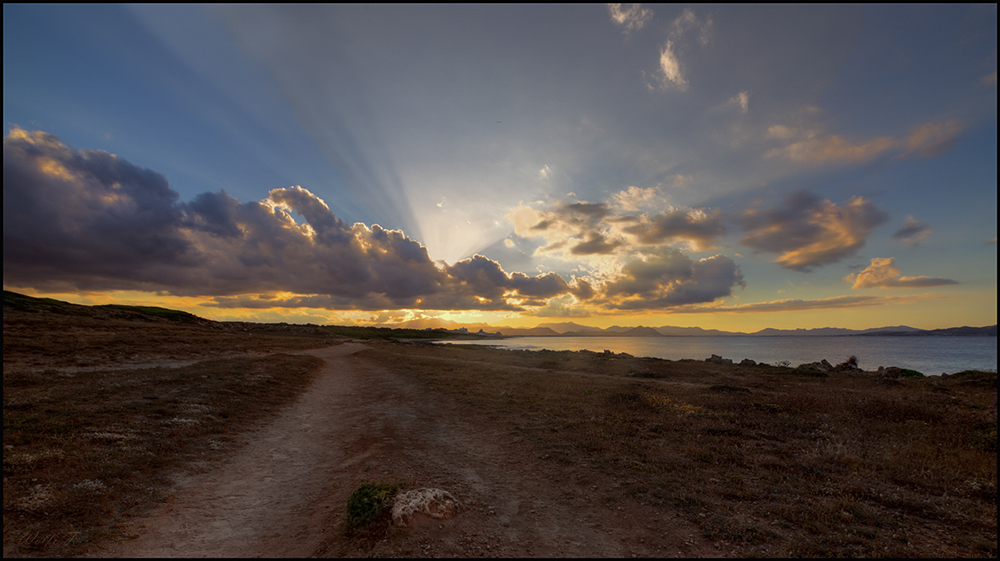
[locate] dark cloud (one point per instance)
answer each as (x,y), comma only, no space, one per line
(111,223)
(672,279)
(588,210)
(913,232)
(482,278)
(88,220)
(596,229)
(808,231)
(703,228)
(577,228)
(597,244)
(580,216)
(582,289)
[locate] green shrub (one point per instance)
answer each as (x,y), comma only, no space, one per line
(369,502)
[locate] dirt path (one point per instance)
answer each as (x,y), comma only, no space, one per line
(283,494)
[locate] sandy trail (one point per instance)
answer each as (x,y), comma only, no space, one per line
(283,494)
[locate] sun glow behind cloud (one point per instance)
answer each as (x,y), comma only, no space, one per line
(632,164)
(282,265)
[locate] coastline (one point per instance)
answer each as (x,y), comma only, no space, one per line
(928,355)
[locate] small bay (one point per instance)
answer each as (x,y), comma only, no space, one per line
(930,355)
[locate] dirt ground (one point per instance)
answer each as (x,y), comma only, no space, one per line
(284,493)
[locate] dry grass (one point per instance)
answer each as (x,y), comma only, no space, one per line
(41,340)
(82,450)
(102,407)
(91,439)
(768,461)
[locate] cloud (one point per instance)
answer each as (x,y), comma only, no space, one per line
(563,307)
(932,139)
(576,228)
(670,66)
(811,146)
(741,100)
(634,198)
(482,277)
(695,225)
(89,212)
(688,21)
(883,274)
(808,231)
(89,220)
(833,148)
(670,69)
(669,279)
(582,229)
(681,181)
(595,244)
(913,232)
(781,132)
(796,305)
(631,18)
(604,236)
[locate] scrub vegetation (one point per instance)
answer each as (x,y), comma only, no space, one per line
(101,405)
(104,405)
(766,460)
(369,513)
(369,502)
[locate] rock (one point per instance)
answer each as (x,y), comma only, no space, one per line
(849,365)
(436,503)
(748,362)
(821,366)
(716,359)
(891,372)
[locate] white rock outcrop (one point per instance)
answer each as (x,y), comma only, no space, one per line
(436,503)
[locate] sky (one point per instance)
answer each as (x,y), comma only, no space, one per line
(724,167)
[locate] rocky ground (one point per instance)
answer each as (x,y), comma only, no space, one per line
(284,493)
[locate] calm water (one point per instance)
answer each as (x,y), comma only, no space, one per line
(930,355)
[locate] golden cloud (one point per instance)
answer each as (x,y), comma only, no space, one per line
(808,231)
(882,273)
(813,147)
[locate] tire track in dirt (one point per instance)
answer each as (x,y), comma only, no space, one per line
(283,494)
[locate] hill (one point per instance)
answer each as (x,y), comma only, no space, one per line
(32,305)
(988,331)
(20,308)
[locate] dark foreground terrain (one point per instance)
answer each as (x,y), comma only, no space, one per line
(129,431)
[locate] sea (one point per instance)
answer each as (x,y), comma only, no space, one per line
(929,355)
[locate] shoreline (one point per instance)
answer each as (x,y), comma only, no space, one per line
(931,356)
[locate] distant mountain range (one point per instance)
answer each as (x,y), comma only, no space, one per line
(569,329)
